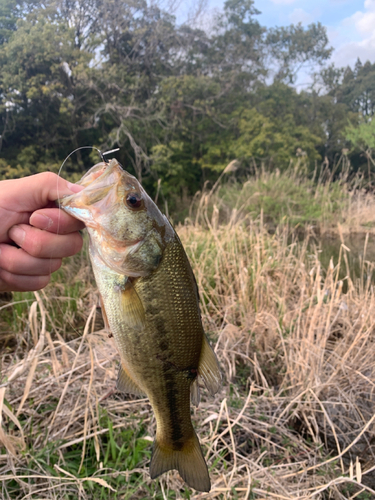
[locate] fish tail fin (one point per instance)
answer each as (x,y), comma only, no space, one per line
(189,462)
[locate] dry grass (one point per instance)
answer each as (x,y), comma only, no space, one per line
(294,419)
(359,213)
(321,200)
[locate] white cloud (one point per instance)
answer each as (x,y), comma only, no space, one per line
(300,16)
(365,23)
(370,4)
(356,37)
(349,52)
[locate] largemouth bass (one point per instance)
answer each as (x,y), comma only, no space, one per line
(150,305)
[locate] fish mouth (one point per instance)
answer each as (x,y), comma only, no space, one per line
(99,194)
(97,183)
(101,172)
(99,197)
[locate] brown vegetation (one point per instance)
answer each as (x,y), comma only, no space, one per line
(294,419)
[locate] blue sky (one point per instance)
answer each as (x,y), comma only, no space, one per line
(350,23)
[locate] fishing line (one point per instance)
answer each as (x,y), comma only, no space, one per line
(102,157)
(88,147)
(101,154)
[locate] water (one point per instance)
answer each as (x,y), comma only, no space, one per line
(360,255)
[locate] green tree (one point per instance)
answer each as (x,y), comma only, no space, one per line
(180,102)
(42,89)
(357,89)
(294,47)
(362,137)
(347,108)
(9,13)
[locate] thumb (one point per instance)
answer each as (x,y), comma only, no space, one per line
(34,192)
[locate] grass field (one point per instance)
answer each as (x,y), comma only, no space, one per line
(321,200)
(295,418)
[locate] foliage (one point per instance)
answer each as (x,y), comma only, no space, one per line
(179,101)
(294,47)
(293,196)
(280,139)
(351,103)
(362,136)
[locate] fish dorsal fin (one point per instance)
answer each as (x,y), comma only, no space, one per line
(194,393)
(126,384)
(209,368)
(131,307)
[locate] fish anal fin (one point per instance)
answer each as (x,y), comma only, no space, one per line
(194,393)
(126,384)
(189,462)
(208,368)
(132,308)
(104,314)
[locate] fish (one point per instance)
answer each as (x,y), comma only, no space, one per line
(150,304)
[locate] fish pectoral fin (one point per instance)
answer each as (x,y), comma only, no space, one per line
(126,384)
(189,462)
(194,393)
(132,308)
(209,369)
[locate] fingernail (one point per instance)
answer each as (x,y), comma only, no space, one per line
(76,188)
(41,221)
(17,235)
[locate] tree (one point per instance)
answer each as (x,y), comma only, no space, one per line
(41,91)
(236,51)
(347,108)
(293,47)
(180,102)
(9,13)
(357,89)
(362,137)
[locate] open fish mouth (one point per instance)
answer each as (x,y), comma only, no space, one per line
(101,172)
(113,207)
(98,182)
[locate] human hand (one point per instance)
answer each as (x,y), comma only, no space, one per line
(44,233)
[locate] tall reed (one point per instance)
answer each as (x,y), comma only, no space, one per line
(294,419)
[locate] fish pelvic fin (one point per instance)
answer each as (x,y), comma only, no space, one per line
(209,368)
(189,462)
(126,384)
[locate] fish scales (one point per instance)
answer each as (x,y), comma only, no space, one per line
(176,357)
(164,360)
(151,306)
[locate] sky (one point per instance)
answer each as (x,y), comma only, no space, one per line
(350,23)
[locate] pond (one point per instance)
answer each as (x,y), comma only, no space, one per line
(360,252)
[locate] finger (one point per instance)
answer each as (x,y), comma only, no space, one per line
(22,218)
(43,244)
(17,261)
(37,191)
(55,220)
(16,283)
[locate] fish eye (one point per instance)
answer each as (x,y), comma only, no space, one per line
(134,200)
